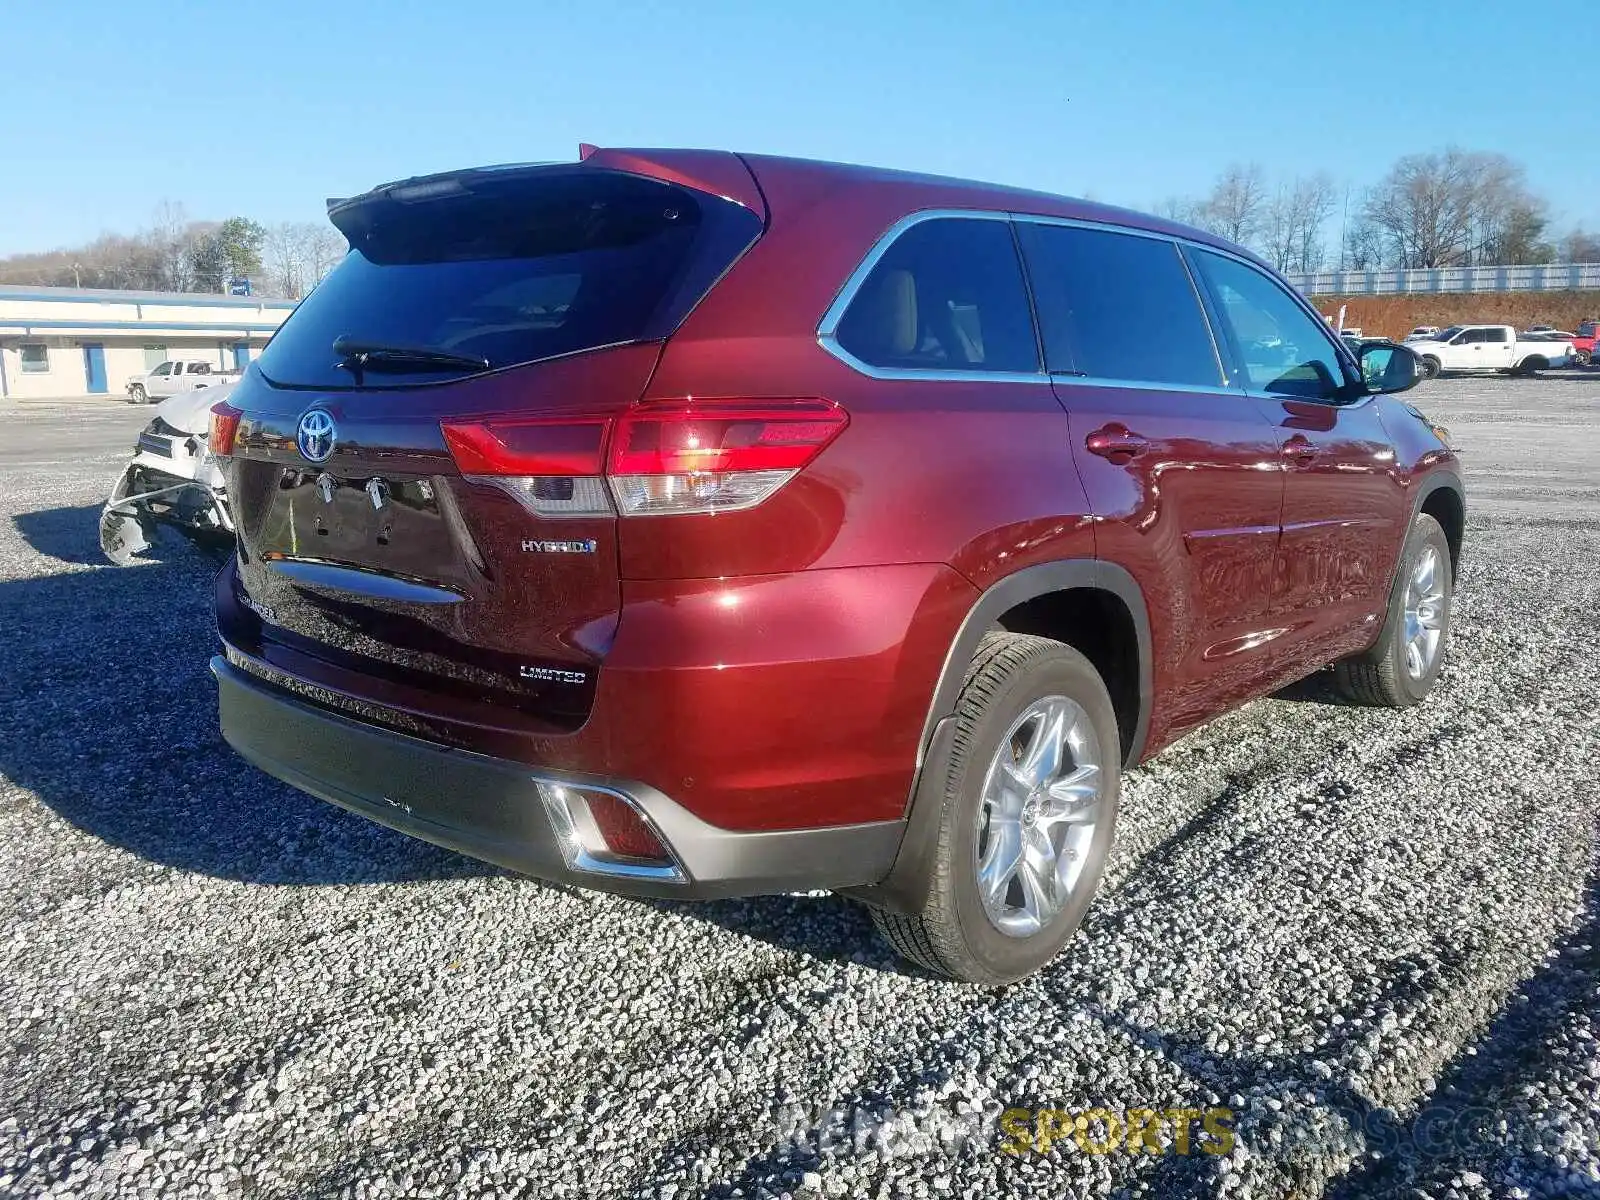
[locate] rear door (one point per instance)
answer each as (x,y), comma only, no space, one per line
(1343,505)
(1499,347)
(520,310)
(1181,468)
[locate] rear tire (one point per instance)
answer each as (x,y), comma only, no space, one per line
(982,923)
(1532,365)
(1403,664)
(1430,367)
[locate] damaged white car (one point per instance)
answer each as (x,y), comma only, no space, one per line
(173,480)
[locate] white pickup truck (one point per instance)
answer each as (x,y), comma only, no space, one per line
(177,375)
(1488,348)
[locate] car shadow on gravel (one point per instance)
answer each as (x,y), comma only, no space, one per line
(1313,689)
(110,719)
(822,926)
(59,533)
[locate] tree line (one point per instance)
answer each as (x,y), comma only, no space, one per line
(1449,208)
(176,254)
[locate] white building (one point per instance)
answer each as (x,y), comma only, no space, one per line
(57,342)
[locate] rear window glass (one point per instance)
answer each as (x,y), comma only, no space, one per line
(508,268)
(946,296)
(1117,306)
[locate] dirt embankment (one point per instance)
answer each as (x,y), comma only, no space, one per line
(1396,316)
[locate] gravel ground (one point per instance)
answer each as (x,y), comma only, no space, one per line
(1375,939)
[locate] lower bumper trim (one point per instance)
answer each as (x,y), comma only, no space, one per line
(492,808)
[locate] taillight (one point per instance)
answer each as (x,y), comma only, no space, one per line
(224,428)
(552,467)
(663,458)
(717,456)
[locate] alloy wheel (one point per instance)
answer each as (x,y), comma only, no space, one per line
(1041,803)
(1424,613)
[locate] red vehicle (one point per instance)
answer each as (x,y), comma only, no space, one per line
(691,524)
(1583,341)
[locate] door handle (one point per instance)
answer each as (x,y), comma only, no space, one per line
(1114,440)
(1300,449)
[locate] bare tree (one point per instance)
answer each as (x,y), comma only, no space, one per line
(1235,207)
(1177,208)
(1508,219)
(1291,228)
(1580,246)
(1459,207)
(299,253)
(1363,246)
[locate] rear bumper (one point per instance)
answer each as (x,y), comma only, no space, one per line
(494,809)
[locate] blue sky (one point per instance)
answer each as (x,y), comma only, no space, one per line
(265,109)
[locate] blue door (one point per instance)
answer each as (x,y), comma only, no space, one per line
(241,355)
(94,367)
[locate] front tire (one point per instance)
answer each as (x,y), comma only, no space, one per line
(1430,368)
(1403,664)
(137,395)
(1029,809)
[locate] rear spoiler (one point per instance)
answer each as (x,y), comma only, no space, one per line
(716,171)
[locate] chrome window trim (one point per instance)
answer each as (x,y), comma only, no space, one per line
(1225,380)
(1341,352)
(828,328)
(1198,389)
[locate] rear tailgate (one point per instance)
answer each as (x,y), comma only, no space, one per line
(361,542)
(384,560)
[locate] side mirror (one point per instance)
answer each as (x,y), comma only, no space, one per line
(1386,367)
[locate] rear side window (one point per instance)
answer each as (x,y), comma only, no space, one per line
(948,295)
(1282,348)
(1586,329)
(508,267)
(1118,306)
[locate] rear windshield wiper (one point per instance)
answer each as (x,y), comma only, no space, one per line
(358,357)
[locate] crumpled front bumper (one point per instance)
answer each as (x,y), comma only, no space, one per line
(148,493)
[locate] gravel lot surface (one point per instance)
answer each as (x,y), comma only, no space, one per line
(1374,938)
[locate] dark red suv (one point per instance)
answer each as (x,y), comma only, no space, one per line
(694,524)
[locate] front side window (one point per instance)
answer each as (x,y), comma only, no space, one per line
(164,369)
(1281,348)
(35,358)
(1118,306)
(948,295)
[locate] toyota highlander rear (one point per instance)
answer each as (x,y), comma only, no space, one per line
(430,464)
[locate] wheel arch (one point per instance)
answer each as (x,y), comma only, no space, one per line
(1019,603)
(1442,496)
(1027,601)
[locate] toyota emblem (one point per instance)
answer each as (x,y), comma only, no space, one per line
(316,436)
